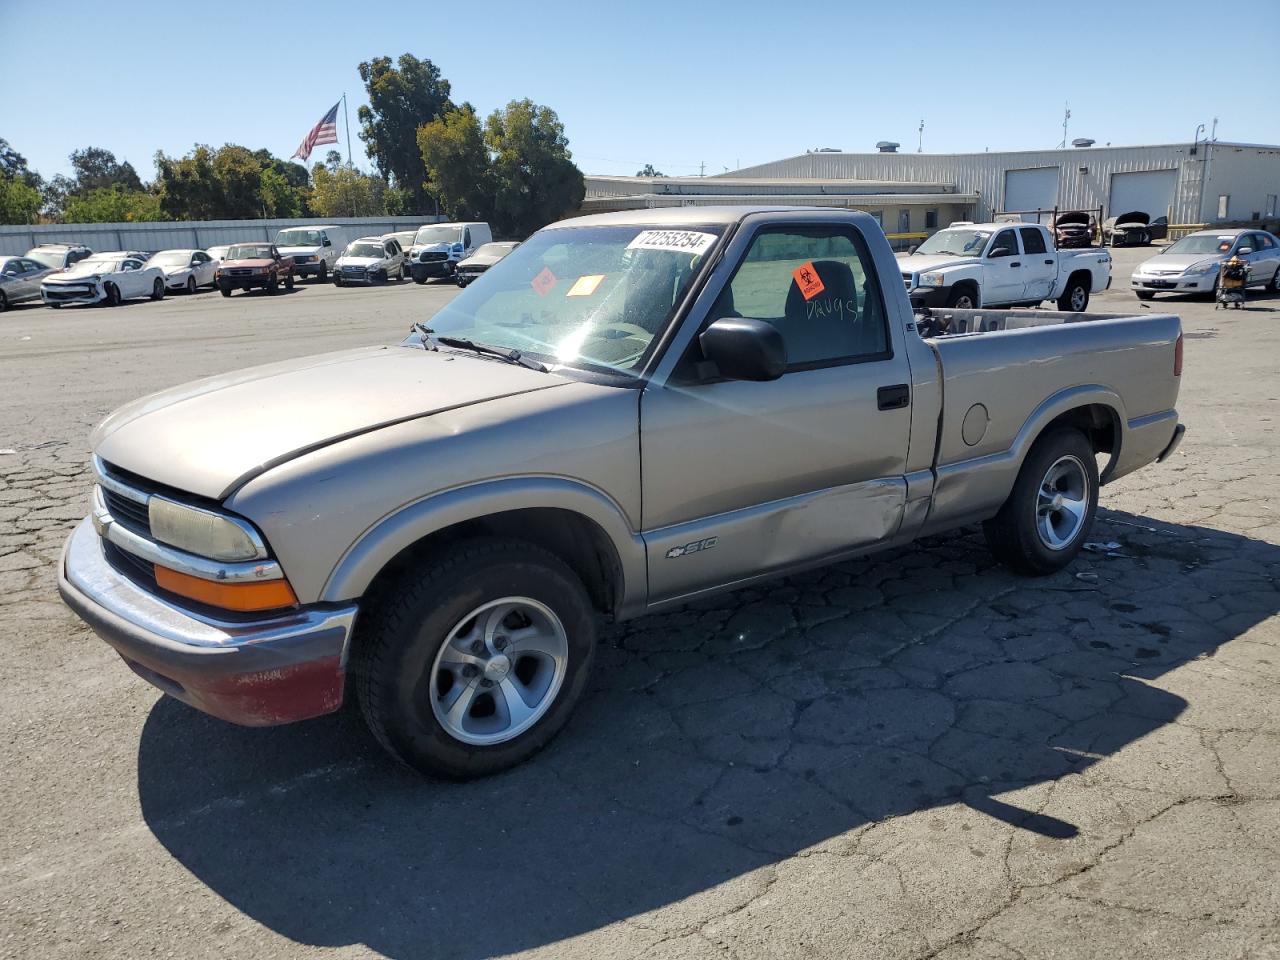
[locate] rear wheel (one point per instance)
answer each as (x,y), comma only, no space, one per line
(273,285)
(472,664)
(1076,297)
(288,282)
(157,289)
(4,302)
(1043,524)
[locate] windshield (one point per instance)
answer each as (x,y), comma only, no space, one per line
(249,251)
(172,258)
(299,238)
(364,250)
(587,296)
(438,235)
(495,249)
(1201,243)
(47,257)
(962,242)
(94,265)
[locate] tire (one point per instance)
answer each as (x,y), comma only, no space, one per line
(1075,298)
(191,285)
(323,275)
(380,277)
(113,295)
(402,274)
(288,282)
(272,287)
(1143,294)
(963,298)
(226,291)
(419,279)
(337,280)
(4,302)
(404,668)
(1029,534)
(1274,286)
(157,289)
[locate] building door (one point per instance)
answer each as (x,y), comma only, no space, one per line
(1029,190)
(1148,191)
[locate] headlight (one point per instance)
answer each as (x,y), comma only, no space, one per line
(202,532)
(1201,269)
(932,280)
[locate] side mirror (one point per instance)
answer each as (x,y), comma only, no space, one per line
(1245,250)
(745,349)
(912,249)
(999,252)
(328,242)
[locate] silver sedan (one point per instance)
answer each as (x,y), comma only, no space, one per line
(1190,265)
(20,280)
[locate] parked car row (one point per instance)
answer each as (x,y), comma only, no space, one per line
(63,273)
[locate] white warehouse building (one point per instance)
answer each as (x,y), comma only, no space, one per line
(1188,184)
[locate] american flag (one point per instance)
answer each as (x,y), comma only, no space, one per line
(326,131)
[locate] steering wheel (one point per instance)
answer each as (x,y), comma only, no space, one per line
(630,329)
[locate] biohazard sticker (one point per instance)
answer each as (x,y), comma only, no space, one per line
(585,286)
(543,282)
(808,281)
(677,241)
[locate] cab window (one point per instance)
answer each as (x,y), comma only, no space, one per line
(1032,240)
(817,286)
(1007,239)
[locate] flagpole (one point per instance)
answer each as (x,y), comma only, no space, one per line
(347,123)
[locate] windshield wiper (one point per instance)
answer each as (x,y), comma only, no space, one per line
(503,353)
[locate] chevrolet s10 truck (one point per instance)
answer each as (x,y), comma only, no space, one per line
(628,412)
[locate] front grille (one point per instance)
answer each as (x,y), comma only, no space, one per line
(239,272)
(67,293)
(128,513)
(906,279)
(429,256)
(141,572)
(356,272)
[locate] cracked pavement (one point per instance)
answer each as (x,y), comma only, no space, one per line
(914,755)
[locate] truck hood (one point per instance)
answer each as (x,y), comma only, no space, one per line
(299,251)
(922,263)
(241,264)
(211,436)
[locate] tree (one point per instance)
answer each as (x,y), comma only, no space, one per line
(458,169)
(231,182)
(19,201)
(346,192)
(189,190)
(113,205)
(279,197)
(402,98)
(535,179)
(54,195)
(648,171)
(98,169)
(13,166)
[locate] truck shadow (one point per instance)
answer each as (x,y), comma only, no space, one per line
(718,739)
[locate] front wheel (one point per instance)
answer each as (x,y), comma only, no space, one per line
(191,285)
(1043,524)
(273,287)
(1076,297)
(962,298)
(288,282)
(157,289)
(4,302)
(226,291)
(1275,282)
(472,663)
(403,273)
(323,274)
(113,298)
(1143,294)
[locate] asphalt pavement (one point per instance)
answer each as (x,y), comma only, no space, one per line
(914,755)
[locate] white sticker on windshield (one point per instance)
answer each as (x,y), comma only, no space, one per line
(679,241)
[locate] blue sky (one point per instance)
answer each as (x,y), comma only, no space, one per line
(672,84)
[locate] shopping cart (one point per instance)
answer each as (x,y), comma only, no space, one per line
(1233,274)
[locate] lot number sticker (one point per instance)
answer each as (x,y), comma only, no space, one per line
(585,286)
(543,282)
(677,241)
(808,281)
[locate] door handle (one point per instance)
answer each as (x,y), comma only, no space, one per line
(1048,263)
(1016,263)
(894,397)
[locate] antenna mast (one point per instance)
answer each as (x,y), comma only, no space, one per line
(920,142)
(1066,115)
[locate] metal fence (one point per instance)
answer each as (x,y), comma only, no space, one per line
(187,234)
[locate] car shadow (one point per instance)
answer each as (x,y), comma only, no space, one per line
(717,739)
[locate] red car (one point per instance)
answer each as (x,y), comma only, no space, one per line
(249,265)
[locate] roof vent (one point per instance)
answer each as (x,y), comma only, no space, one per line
(888,146)
(1083,142)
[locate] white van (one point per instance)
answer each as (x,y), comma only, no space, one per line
(437,248)
(314,249)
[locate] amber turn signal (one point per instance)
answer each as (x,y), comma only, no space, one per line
(244,597)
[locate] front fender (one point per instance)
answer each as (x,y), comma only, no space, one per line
(394,533)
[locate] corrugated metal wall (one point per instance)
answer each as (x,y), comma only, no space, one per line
(197,234)
(1084,180)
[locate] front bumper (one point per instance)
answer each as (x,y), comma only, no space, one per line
(1176,283)
(922,297)
(54,296)
(431,268)
(310,269)
(281,668)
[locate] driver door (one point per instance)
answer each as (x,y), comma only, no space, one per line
(132,279)
(740,477)
(1002,273)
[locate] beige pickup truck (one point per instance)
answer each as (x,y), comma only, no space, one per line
(628,412)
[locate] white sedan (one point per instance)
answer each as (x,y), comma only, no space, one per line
(185,269)
(1190,265)
(108,278)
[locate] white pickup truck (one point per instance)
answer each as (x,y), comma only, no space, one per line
(1002,265)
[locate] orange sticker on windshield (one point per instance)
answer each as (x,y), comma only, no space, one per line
(585,286)
(807,280)
(543,282)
